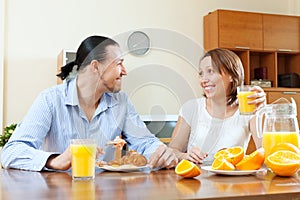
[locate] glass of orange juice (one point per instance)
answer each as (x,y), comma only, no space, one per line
(243,92)
(83,158)
(270,139)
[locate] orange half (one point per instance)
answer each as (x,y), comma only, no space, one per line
(187,169)
(284,162)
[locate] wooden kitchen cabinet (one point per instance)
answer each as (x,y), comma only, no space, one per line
(281,33)
(274,43)
(233,29)
(288,63)
(64,57)
(288,93)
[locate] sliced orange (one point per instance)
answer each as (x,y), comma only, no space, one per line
(232,154)
(220,163)
(285,146)
(187,169)
(252,161)
(284,162)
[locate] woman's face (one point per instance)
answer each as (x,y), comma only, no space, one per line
(213,83)
(112,69)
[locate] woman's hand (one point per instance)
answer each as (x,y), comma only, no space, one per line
(196,155)
(259,96)
(163,157)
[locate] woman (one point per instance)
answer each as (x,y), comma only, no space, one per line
(213,122)
(89,105)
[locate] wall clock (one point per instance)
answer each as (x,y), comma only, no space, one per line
(138,43)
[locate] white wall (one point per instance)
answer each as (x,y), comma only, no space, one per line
(2,50)
(36,31)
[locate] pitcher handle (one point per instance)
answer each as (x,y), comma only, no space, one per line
(259,117)
(294,105)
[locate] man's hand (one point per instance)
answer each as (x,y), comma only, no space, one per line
(60,162)
(163,157)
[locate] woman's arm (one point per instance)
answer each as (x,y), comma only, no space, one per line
(179,143)
(257,140)
(180,138)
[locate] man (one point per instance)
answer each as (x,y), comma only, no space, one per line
(89,105)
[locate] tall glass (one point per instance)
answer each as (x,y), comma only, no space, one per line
(243,92)
(83,158)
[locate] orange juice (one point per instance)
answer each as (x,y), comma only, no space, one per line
(244,107)
(83,160)
(270,139)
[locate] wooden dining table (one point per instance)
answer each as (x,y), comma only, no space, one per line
(147,184)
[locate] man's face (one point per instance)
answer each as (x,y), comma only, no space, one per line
(112,69)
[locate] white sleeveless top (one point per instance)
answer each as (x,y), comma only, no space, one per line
(212,134)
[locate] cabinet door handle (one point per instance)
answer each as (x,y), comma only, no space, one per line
(289,92)
(241,47)
(285,50)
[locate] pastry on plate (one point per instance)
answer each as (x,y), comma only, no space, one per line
(131,158)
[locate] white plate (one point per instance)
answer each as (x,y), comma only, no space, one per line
(123,168)
(232,173)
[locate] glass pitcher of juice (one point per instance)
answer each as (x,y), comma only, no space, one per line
(279,125)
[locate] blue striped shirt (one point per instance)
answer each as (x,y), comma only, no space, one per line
(56,117)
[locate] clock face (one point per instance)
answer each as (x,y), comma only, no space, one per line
(138,43)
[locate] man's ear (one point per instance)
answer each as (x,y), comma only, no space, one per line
(230,79)
(95,65)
